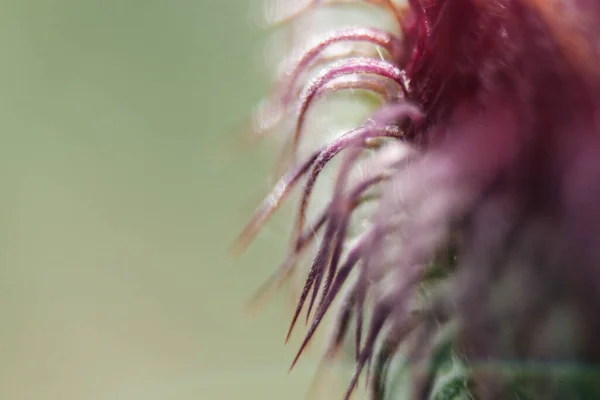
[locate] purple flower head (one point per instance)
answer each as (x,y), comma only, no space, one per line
(479,175)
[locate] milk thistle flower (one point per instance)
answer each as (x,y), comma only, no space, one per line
(462,229)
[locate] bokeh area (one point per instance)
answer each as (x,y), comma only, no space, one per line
(122,187)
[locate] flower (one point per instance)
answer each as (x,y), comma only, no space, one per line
(482,163)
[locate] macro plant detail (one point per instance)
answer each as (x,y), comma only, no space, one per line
(460,232)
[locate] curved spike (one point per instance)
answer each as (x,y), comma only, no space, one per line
(356,65)
(342,228)
(339,244)
(351,260)
(338,241)
(273,114)
(341,209)
(338,229)
(270,204)
(355,199)
(376,36)
(339,218)
(272,110)
(353,137)
(286,267)
(374,84)
(315,271)
(320,61)
(300,244)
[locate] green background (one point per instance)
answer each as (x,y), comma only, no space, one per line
(123,184)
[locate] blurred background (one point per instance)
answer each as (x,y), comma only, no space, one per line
(122,187)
